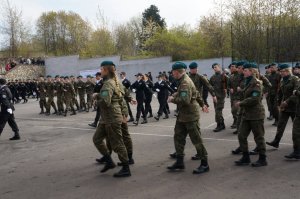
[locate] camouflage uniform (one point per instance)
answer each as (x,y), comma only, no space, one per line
(69,92)
(234,83)
(274,79)
(89,87)
(59,87)
(81,93)
(50,88)
(42,94)
(74,97)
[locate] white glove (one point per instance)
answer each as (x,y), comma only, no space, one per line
(10,111)
(157,90)
(133,90)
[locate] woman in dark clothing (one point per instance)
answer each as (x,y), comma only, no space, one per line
(148,96)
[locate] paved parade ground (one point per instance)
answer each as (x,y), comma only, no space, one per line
(56,159)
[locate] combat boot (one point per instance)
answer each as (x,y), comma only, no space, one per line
(235,132)
(219,128)
(131,120)
(178,165)
(173,155)
(233,126)
(261,161)
(109,164)
(124,172)
(101,160)
(151,115)
(196,157)
(274,143)
(236,151)
(166,116)
(245,160)
(130,160)
(275,123)
(73,113)
(270,117)
(294,155)
(203,168)
(157,117)
(66,113)
(42,111)
(254,151)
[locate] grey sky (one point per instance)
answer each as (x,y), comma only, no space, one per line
(117,11)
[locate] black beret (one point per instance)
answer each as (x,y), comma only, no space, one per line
(139,74)
(98,74)
(297,65)
(214,64)
(193,65)
(2,81)
(49,76)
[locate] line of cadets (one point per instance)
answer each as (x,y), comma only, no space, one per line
(280,85)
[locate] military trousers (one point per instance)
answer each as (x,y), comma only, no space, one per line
(257,127)
(10,119)
(273,106)
(50,102)
(113,135)
(282,122)
(219,106)
(234,110)
(89,100)
(182,129)
(296,133)
(60,104)
(82,101)
(42,102)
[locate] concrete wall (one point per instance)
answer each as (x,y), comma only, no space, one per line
(72,65)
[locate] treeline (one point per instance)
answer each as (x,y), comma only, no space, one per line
(260,30)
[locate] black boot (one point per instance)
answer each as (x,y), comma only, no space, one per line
(235,132)
(130,160)
(275,123)
(254,151)
(173,155)
(220,127)
(42,111)
(233,126)
(93,125)
(136,122)
(245,160)
(109,164)
(236,151)
(73,112)
(151,115)
(144,121)
(203,168)
(178,165)
(101,160)
(294,155)
(261,161)
(270,117)
(131,119)
(157,117)
(124,172)
(66,113)
(196,157)
(16,136)
(166,116)
(274,143)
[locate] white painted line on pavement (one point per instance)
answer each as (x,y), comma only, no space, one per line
(149,134)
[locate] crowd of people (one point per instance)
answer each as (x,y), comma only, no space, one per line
(12,63)
(111,99)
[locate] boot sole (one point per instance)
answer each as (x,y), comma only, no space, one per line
(105,170)
(122,176)
(272,145)
(261,165)
(242,164)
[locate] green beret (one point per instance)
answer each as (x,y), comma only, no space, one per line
(273,64)
(214,65)
(88,76)
(71,76)
(250,65)
(107,63)
(56,76)
(193,65)
(79,76)
(66,77)
(297,65)
(234,63)
(240,63)
(178,65)
(49,76)
(283,66)
(62,77)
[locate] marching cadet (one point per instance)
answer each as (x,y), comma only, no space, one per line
(267,75)
(296,130)
(69,92)
(233,84)
(286,101)
(253,115)
(23,91)
(274,78)
(297,70)
(162,89)
(200,81)
(81,93)
(59,87)
(126,83)
(74,97)
(50,92)
(97,88)
(219,83)
(139,87)
(109,128)
(89,88)
(41,87)
(148,96)
(7,108)
(187,122)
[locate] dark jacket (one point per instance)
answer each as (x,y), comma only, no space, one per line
(140,88)
(5,99)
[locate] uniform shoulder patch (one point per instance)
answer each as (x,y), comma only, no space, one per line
(255,93)
(183,93)
(104,93)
